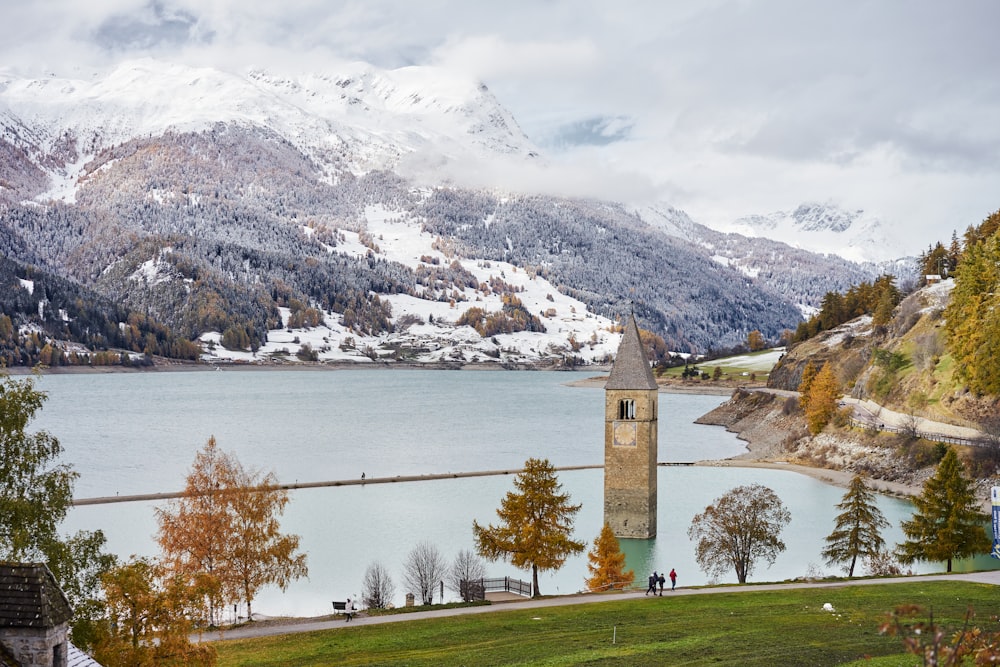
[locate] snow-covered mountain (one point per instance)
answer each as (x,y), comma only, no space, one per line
(822,228)
(264,211)
(359,119)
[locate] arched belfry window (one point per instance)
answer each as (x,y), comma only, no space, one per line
(626,408)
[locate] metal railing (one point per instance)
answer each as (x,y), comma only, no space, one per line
(478,588)
(935,437)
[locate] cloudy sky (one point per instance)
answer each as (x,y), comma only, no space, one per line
(720,107)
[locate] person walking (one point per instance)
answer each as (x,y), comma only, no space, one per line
(673,578)
(349,610)
(662,581)
(652,584)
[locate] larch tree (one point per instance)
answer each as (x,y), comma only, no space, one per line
(947,524)
(607,563)
(824,391)
(805,382)
(972,318)
(738,529)
(857,529)
(536,523)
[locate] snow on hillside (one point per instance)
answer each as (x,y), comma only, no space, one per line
(433,334)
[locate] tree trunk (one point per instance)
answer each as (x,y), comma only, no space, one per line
(534,581)
(850,572)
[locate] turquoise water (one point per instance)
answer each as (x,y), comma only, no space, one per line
(138,433)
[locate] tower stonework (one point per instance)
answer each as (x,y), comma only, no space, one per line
(631,398)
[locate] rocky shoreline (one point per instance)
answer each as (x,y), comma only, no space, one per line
(777,438)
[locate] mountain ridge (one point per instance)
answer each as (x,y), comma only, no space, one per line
(255,204)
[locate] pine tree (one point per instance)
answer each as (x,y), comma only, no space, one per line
(823,393)
(947,524)
(536,523)
(607,563)
(856,532)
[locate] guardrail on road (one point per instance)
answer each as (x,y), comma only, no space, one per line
(936,437)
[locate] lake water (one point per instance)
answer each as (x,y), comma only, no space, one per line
(133,433)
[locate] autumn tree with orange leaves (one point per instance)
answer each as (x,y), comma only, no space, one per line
(149,619)
(224,533)
(536,523)
(607,563)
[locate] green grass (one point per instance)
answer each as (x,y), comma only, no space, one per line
(786,627)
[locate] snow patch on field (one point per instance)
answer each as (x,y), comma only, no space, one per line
(764,361)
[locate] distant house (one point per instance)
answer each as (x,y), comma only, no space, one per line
(34,619)
(932,278)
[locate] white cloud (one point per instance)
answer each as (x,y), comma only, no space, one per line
(724,108)
(491,56)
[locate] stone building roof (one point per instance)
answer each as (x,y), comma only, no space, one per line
(631,369)
(77,658)
(30,597)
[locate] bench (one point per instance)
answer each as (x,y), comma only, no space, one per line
(340,607)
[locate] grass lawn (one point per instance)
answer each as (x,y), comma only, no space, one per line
(746,628)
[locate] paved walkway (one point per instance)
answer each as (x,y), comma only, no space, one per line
(872,413)
(266,630)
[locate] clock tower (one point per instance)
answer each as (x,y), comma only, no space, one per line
(630,424)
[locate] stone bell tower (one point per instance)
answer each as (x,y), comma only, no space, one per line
(630,423)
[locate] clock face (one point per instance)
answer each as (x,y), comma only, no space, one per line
(625,434)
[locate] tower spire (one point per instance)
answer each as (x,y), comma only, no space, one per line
(631,369)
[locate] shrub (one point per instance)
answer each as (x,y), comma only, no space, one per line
(791,406)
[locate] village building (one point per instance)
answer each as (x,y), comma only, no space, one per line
(34,619)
